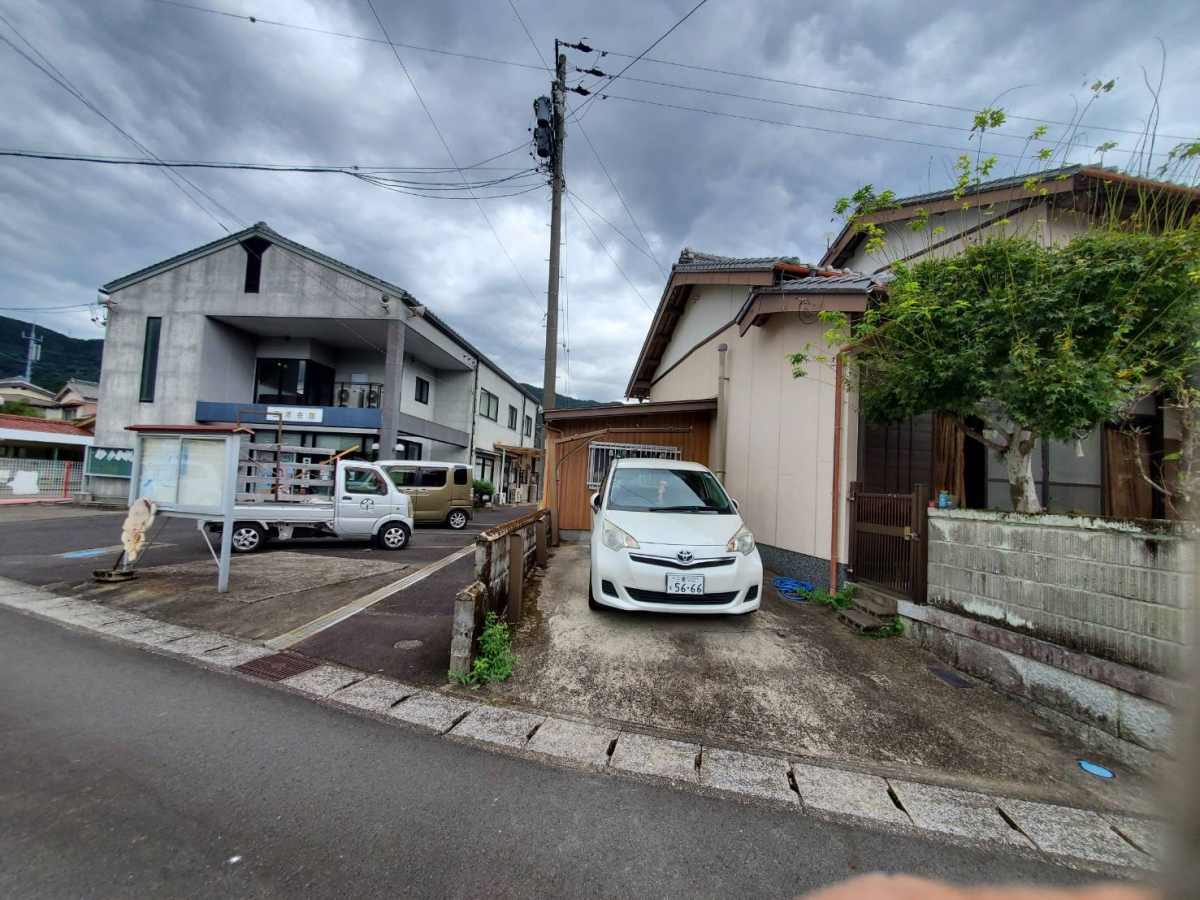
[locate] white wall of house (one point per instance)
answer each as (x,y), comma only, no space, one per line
(489,432)
(709,308)
(901,242)
(779,439)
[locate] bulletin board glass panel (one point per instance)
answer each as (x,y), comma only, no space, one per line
(201,473)
(158,477)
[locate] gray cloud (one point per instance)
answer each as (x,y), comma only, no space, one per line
(200,86)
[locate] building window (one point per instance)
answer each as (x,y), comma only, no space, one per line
(529,426)
(512,418)
(602,454)
(296,382)
(489,405)
(412,450)
(150,359)
(422,390)
(255,247)
(485,468)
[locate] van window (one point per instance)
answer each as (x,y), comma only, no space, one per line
(460,476)
(404,477)
(433,478)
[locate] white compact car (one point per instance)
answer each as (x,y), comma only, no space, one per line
(667,538)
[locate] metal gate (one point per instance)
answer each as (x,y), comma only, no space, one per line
(887,536)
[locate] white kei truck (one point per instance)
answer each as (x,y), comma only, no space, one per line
(359,503)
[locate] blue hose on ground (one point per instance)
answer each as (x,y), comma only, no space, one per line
(792,588)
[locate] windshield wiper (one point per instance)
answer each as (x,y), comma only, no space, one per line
(682,509)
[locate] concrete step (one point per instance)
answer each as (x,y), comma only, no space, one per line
(874,606)
(884,597)
(860,621)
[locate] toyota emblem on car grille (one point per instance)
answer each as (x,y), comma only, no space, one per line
(684,556)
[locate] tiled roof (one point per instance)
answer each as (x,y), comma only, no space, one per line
(46,426)
(694,261)
(997,184)
(852,283)
(88,390)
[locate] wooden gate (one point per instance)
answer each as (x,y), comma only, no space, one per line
(887,536)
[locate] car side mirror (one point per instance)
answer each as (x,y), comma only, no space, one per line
(735,504)
(596,502)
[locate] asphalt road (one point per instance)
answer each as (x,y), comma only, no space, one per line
(35,539)
(132,775)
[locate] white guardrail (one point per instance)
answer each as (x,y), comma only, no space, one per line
(39,479)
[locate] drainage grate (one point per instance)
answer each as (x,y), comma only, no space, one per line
(951,678)
(278,666)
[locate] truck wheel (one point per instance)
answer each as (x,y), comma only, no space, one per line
(392,536)
(457,519)
(248,537)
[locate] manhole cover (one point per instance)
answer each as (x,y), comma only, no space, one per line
(951,678)
(277,667)
(407,645)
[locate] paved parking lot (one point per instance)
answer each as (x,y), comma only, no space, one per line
(284,588)
(791,680)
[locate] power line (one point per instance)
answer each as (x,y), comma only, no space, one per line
(660,39)
(632,243)
(432,190)
(267,167)
(446,145)
(877,137)
(65,83)
(587,138)
(843,112)
(256,20)
(571,200)
(837,90)
(44,308)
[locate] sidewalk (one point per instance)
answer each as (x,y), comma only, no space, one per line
(1107,842)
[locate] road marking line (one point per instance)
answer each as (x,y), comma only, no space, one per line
(316,626)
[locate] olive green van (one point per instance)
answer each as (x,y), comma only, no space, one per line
(440,492)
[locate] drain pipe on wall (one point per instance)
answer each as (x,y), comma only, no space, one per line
(722,416)
(837,467)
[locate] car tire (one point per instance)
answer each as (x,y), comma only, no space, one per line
(393,536)
(248,537)
(457,519)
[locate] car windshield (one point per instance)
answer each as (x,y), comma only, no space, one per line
(667,490)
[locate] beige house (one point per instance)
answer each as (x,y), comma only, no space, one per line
(75,401)
(17,389)
(773,444)
(791,449)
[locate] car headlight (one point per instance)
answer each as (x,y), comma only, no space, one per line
(742,542)
(616,539)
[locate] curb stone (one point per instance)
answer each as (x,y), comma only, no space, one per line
(1109,842)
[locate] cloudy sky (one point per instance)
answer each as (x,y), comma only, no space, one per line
(194,85)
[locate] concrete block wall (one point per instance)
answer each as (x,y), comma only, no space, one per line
(1118,590)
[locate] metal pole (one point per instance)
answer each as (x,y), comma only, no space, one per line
(722,415)
(550,374)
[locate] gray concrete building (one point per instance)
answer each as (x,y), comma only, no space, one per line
(255,326)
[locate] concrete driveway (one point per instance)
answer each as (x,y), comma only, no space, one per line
(288,586)
(792,681)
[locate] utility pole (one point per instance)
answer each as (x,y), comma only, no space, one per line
(557,135)
(33,351)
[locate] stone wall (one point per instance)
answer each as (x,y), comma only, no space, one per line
(1114,589)
(1084,621)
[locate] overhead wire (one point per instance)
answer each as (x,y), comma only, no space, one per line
(611,258)
(884,97)
(446,145)
(876,137)
(288,254)
(632,243)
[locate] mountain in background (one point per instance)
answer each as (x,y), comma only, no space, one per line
(62,357)
(562,401)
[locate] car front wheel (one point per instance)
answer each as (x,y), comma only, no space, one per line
(393,536)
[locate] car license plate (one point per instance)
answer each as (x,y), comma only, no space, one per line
(685,584)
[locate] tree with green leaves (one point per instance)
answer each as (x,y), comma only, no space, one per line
(19,408)
(1033,341)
